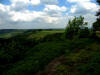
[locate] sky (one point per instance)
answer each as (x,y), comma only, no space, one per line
(44,14)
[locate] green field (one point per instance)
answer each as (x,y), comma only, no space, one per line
(44,33)
(31,33)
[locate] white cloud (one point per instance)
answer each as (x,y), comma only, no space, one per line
(55,8)
(25,16)
(18,1)
(72,1)
(51,2)
(52,15)
(35,2)
(82,7)
(4,8)
(19,5)
(90,18)
(10,18)
(38,2)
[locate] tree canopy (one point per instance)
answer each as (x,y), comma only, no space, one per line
(96,25)
(74,26)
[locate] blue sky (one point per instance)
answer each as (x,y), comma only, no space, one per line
(36,14)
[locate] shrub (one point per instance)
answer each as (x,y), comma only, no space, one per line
(74,26)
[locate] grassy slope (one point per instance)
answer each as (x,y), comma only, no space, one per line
(37,58)
(75,52)
(81,57)
(31,56)
(44,33)
(82,62)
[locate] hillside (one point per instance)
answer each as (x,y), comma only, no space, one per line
(82,60)
(31,53)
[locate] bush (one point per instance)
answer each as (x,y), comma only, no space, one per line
(84,33)
(74,26)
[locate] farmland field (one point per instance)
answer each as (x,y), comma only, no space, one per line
(37,34)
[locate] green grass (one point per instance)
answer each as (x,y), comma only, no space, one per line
(22,56)
(44,33)
(31,34)
(98,34)
(37,58)
(83,62)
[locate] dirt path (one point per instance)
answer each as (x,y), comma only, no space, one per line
(51,67)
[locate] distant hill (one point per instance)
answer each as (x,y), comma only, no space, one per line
(7,33)
(3,31)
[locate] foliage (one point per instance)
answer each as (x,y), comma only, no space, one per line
(96,25)
(19,48)
(37,58)
(74,26)
(84,33)
(82,62)
(21,55)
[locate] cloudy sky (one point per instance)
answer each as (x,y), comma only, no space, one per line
(36,14)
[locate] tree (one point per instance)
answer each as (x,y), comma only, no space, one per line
(96,25)
(84,33)
(98,14)
(74,26)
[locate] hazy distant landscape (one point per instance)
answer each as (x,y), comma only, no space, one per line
(7,33)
